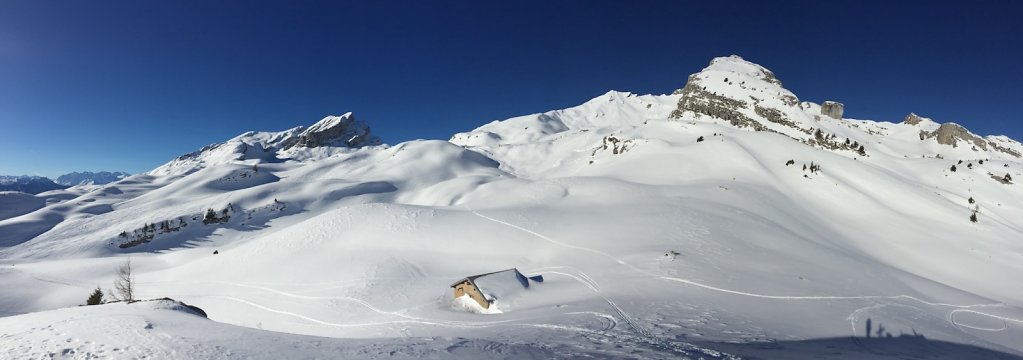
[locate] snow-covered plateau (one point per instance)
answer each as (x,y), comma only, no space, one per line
(728,219)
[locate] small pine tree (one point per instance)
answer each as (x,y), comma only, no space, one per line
(973,217)
(953,168)
(699,139)
(981,162)
(96,298)
(862,151)
(971,200)
(1007,178)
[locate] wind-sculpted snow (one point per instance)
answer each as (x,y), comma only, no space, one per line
(665,226)
(14,203)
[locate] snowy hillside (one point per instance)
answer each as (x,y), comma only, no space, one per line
(727,218)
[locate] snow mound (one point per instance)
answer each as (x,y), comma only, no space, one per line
(467,304)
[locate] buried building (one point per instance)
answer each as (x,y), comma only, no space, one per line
(489,287)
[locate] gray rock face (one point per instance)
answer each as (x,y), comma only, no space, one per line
(912,119)
(832,109)
(336,131)
(700,101)
(1003,149)
(951,134)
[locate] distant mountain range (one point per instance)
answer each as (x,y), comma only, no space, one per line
(88,177)
(38,184)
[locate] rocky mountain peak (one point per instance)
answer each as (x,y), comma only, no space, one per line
(332,131)
(342,130)
(742,93)
(737,65)
(912,119)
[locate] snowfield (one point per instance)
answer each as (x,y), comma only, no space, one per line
(665,226)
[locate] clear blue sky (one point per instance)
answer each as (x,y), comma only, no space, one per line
(128,85)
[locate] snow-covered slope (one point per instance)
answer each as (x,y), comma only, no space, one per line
(728,211)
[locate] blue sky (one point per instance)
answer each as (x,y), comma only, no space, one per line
(128,85)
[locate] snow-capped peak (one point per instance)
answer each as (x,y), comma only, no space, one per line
(738,66)
(332,131)
(330,121)
(338,131)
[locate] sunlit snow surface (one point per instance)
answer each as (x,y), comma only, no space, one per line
(672,248)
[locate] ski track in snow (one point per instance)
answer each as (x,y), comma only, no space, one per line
(851,317)
(407,318)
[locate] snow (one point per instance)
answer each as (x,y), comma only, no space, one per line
(349,252)
(466,303)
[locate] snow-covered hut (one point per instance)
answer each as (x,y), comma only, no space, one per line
(486,288)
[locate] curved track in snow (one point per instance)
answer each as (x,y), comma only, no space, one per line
(951,317)
(402,318)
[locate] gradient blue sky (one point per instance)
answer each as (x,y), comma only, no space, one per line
(128,85)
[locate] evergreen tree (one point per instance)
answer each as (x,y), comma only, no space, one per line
(96,298)
(1007,178)
(971,200)
(862,151)
(973,217)
(953,168)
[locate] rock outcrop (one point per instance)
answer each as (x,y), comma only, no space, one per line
(699,101)
(832,109)
(342,130)
(739,92)
(951,134)
(912,119)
